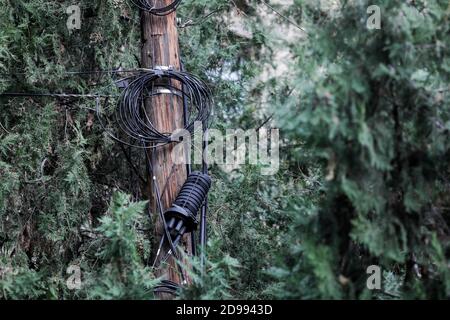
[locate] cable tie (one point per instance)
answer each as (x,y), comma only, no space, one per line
(163,68)
(175,138)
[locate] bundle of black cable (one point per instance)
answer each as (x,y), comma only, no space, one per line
(181,218)
(132,113)
(151,7)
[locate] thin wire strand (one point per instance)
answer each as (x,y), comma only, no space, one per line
(284,17)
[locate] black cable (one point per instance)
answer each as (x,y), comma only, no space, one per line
(204,209)
(130,163)
(53,95)
(161,215)
(284,17)
(150,6)
(199,21)
(84,72)
(111,135)
(132,115)
(159,204)
(188,164)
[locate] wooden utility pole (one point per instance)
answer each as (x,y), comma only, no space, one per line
(160,48)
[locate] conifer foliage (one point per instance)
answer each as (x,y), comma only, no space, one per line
(364,120)
(372,108)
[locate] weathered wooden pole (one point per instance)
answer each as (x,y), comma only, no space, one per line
(160,48)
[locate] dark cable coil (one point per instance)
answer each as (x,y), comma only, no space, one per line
(149,6)
(181,218)
(132,116)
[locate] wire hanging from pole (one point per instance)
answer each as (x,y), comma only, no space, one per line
(204,207)
(188,163)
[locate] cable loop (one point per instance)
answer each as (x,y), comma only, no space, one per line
(133,110)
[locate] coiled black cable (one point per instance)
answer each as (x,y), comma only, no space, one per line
(150,6)
(132,115)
